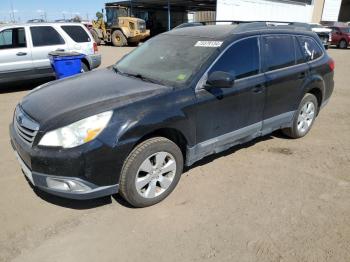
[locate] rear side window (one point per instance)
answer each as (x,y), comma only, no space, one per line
(45,36)
(241,59)
(299,56)
(310,48)
(13,38)
(279,52)
(77,33)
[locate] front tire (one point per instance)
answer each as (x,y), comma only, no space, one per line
(151,172)
(118,39)
(304,117)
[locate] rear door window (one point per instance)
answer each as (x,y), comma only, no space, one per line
(279,52)
(77,33)
(45,36)
(310,49)
(242,59)
(13,38)
(299,56)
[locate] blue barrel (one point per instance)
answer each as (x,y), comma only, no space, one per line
(65,64)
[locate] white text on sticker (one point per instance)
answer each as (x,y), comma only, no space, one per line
(208,43)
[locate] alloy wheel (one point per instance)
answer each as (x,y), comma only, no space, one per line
(155,175)
(306,117)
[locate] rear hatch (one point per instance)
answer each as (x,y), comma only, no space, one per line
(81,39)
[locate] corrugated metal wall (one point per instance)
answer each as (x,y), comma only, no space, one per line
(204,16)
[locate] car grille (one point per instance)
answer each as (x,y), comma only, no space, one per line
(25,127)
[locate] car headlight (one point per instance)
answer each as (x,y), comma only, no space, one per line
(77,133)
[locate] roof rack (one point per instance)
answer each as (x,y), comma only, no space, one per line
(253,25)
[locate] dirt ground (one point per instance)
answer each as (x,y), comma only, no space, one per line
(274,199)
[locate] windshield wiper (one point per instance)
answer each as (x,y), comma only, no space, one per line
(142,77)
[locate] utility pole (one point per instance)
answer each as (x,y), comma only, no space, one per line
(131,11)
(169,16)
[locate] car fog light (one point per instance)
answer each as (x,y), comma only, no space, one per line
(66,185)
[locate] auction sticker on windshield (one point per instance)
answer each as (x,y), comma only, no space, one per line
(209,43)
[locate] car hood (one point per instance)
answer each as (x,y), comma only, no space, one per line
(65,101)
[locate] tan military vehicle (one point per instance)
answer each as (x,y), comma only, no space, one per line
(120,29)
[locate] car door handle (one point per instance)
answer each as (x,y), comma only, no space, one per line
(258,89)
(21,54)
(302,75)
(60,50)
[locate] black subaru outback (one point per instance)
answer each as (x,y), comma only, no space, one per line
(179,97)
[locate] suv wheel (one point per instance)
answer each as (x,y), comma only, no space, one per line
(304,117)
(118,39)
(343,44)
(151,172)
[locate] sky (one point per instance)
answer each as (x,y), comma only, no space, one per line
(30,9)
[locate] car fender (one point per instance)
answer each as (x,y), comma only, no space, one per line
(172,111)
(314,81)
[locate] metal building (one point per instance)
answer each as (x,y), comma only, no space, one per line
(162,15)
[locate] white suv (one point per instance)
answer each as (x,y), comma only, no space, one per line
(24,49)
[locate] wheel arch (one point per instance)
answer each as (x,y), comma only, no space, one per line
(316,91)
(170,133)
(86,62)
(316,86)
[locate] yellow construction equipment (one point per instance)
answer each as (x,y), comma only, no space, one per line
(120,28)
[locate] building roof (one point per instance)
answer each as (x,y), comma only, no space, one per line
(177,5)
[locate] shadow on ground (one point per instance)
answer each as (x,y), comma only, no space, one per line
(23,86)
(94,203)
(211,158)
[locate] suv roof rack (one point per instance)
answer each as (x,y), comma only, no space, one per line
(254,25)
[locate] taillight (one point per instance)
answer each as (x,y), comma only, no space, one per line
(95,48)
(331,64)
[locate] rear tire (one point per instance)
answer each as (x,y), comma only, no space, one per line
(96,38)
(304,117)
(118,39)
(151,172)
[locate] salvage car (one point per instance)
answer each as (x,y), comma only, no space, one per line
(181,96)
(24,49)
(341,36)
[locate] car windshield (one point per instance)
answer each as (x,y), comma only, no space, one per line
(168,59)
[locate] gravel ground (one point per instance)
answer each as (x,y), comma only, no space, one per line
(274,199)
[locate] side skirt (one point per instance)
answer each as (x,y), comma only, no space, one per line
(240,136)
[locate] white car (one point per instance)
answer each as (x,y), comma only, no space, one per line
(24,49)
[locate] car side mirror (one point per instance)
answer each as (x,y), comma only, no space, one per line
(220,79)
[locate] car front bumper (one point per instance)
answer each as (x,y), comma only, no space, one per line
(65,176)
